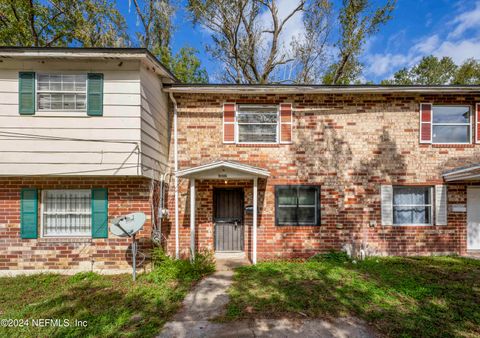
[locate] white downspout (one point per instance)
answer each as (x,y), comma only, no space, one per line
(175,161)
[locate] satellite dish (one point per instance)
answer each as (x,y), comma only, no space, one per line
(129,225)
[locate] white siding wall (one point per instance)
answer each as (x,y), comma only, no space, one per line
(62,143)
(154,124)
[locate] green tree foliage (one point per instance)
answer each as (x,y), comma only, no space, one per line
(156,18)
(35,23)
(359,20)
(96,23)
(186,66)
(434,71)
(468,73)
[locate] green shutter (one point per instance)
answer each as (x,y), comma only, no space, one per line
(99,213)
(26,93)
(95,94)
(28,213)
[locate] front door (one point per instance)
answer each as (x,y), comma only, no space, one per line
(473,218)
(228,219)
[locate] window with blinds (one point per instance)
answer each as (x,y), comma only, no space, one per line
(257,124)
(61,92)
(66,213)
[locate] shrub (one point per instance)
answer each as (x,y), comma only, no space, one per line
(166,268)
(204,263)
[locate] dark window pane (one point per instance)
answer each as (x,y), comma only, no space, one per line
(306,196)
(287,196)
(287,215)
(445,114)
(306,215)
(451,134)
(297,205)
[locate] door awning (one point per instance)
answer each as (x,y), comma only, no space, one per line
(467,173)
(224,170)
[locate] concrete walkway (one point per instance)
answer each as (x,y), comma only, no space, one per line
(209,298)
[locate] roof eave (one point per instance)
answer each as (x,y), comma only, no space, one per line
(463,174)
(140,54)
(293,89)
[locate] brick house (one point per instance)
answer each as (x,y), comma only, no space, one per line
(257,171)
(389,170)
(82,140)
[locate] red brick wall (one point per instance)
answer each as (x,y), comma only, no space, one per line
(125,195)
(349,145)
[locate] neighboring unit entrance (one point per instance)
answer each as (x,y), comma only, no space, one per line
(228,219)
(473,218)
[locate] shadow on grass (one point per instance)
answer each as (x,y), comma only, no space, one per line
(412,297)
(110,306)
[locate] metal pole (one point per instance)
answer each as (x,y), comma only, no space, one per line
(192,219)
(134,258)
(175,161)
(255,216)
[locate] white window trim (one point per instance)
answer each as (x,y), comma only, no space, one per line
(50,111)
(431,205)
(277,137)
(42,205)
(453,124)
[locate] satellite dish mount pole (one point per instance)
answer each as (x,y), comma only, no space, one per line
(134,257)
(128,226)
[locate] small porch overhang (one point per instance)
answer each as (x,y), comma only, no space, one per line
(466,173)
(224,170)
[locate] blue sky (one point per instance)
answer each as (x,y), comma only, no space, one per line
(418,28)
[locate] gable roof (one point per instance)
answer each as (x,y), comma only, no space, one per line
(315,89)
(219,166)
(141,54)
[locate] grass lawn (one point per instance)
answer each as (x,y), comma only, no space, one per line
(112,306)
(399,297)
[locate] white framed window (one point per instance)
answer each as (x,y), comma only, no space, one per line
(61,92)
(66,213)
(412,205)
(256,123)
(451,124)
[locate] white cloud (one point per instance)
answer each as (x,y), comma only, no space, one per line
(381,64)
(466,20)
(428,45)
(459,51)
(455,43)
